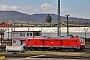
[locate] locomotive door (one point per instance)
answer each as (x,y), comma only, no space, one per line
(75,42)
(43,42)
(61,42)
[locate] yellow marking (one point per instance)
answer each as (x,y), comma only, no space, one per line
(2,57)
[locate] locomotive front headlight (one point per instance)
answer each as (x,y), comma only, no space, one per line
(82,43)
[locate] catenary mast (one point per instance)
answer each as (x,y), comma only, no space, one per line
(59,27)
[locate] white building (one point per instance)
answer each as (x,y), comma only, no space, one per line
(52,31)
(45,31)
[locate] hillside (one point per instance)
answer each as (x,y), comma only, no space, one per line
(18,16)
(12,15)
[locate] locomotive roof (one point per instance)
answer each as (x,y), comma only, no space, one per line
(47,37)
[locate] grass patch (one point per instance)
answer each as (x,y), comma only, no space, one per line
(6,52)
(33,52)
(50,52)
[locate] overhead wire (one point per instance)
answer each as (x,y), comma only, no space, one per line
(76,28)
(37,11)
(85,30)
(43,7)
(32,4)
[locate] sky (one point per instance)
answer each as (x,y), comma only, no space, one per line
(75,8)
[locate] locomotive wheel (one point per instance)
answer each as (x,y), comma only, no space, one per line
(83,50)
(62,50)
(72,50)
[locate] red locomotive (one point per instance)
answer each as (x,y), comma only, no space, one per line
(56,43)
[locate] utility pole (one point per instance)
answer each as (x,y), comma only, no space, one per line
(85,30)
(1,38)
(8,34)
(14,26)
(59,27)
(67,24)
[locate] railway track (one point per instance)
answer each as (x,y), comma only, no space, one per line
(44,56)
(16,55)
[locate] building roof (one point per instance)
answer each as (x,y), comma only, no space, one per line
(50,29)
(3,24)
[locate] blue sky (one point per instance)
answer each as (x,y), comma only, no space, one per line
(75,8)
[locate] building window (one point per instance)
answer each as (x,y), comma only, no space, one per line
(22,34)
(36,33)
(14,41)
(29,34)
(15,34)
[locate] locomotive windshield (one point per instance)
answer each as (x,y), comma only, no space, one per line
(82,40)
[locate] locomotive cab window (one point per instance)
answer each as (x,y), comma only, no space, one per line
(75,40)
(81,40)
